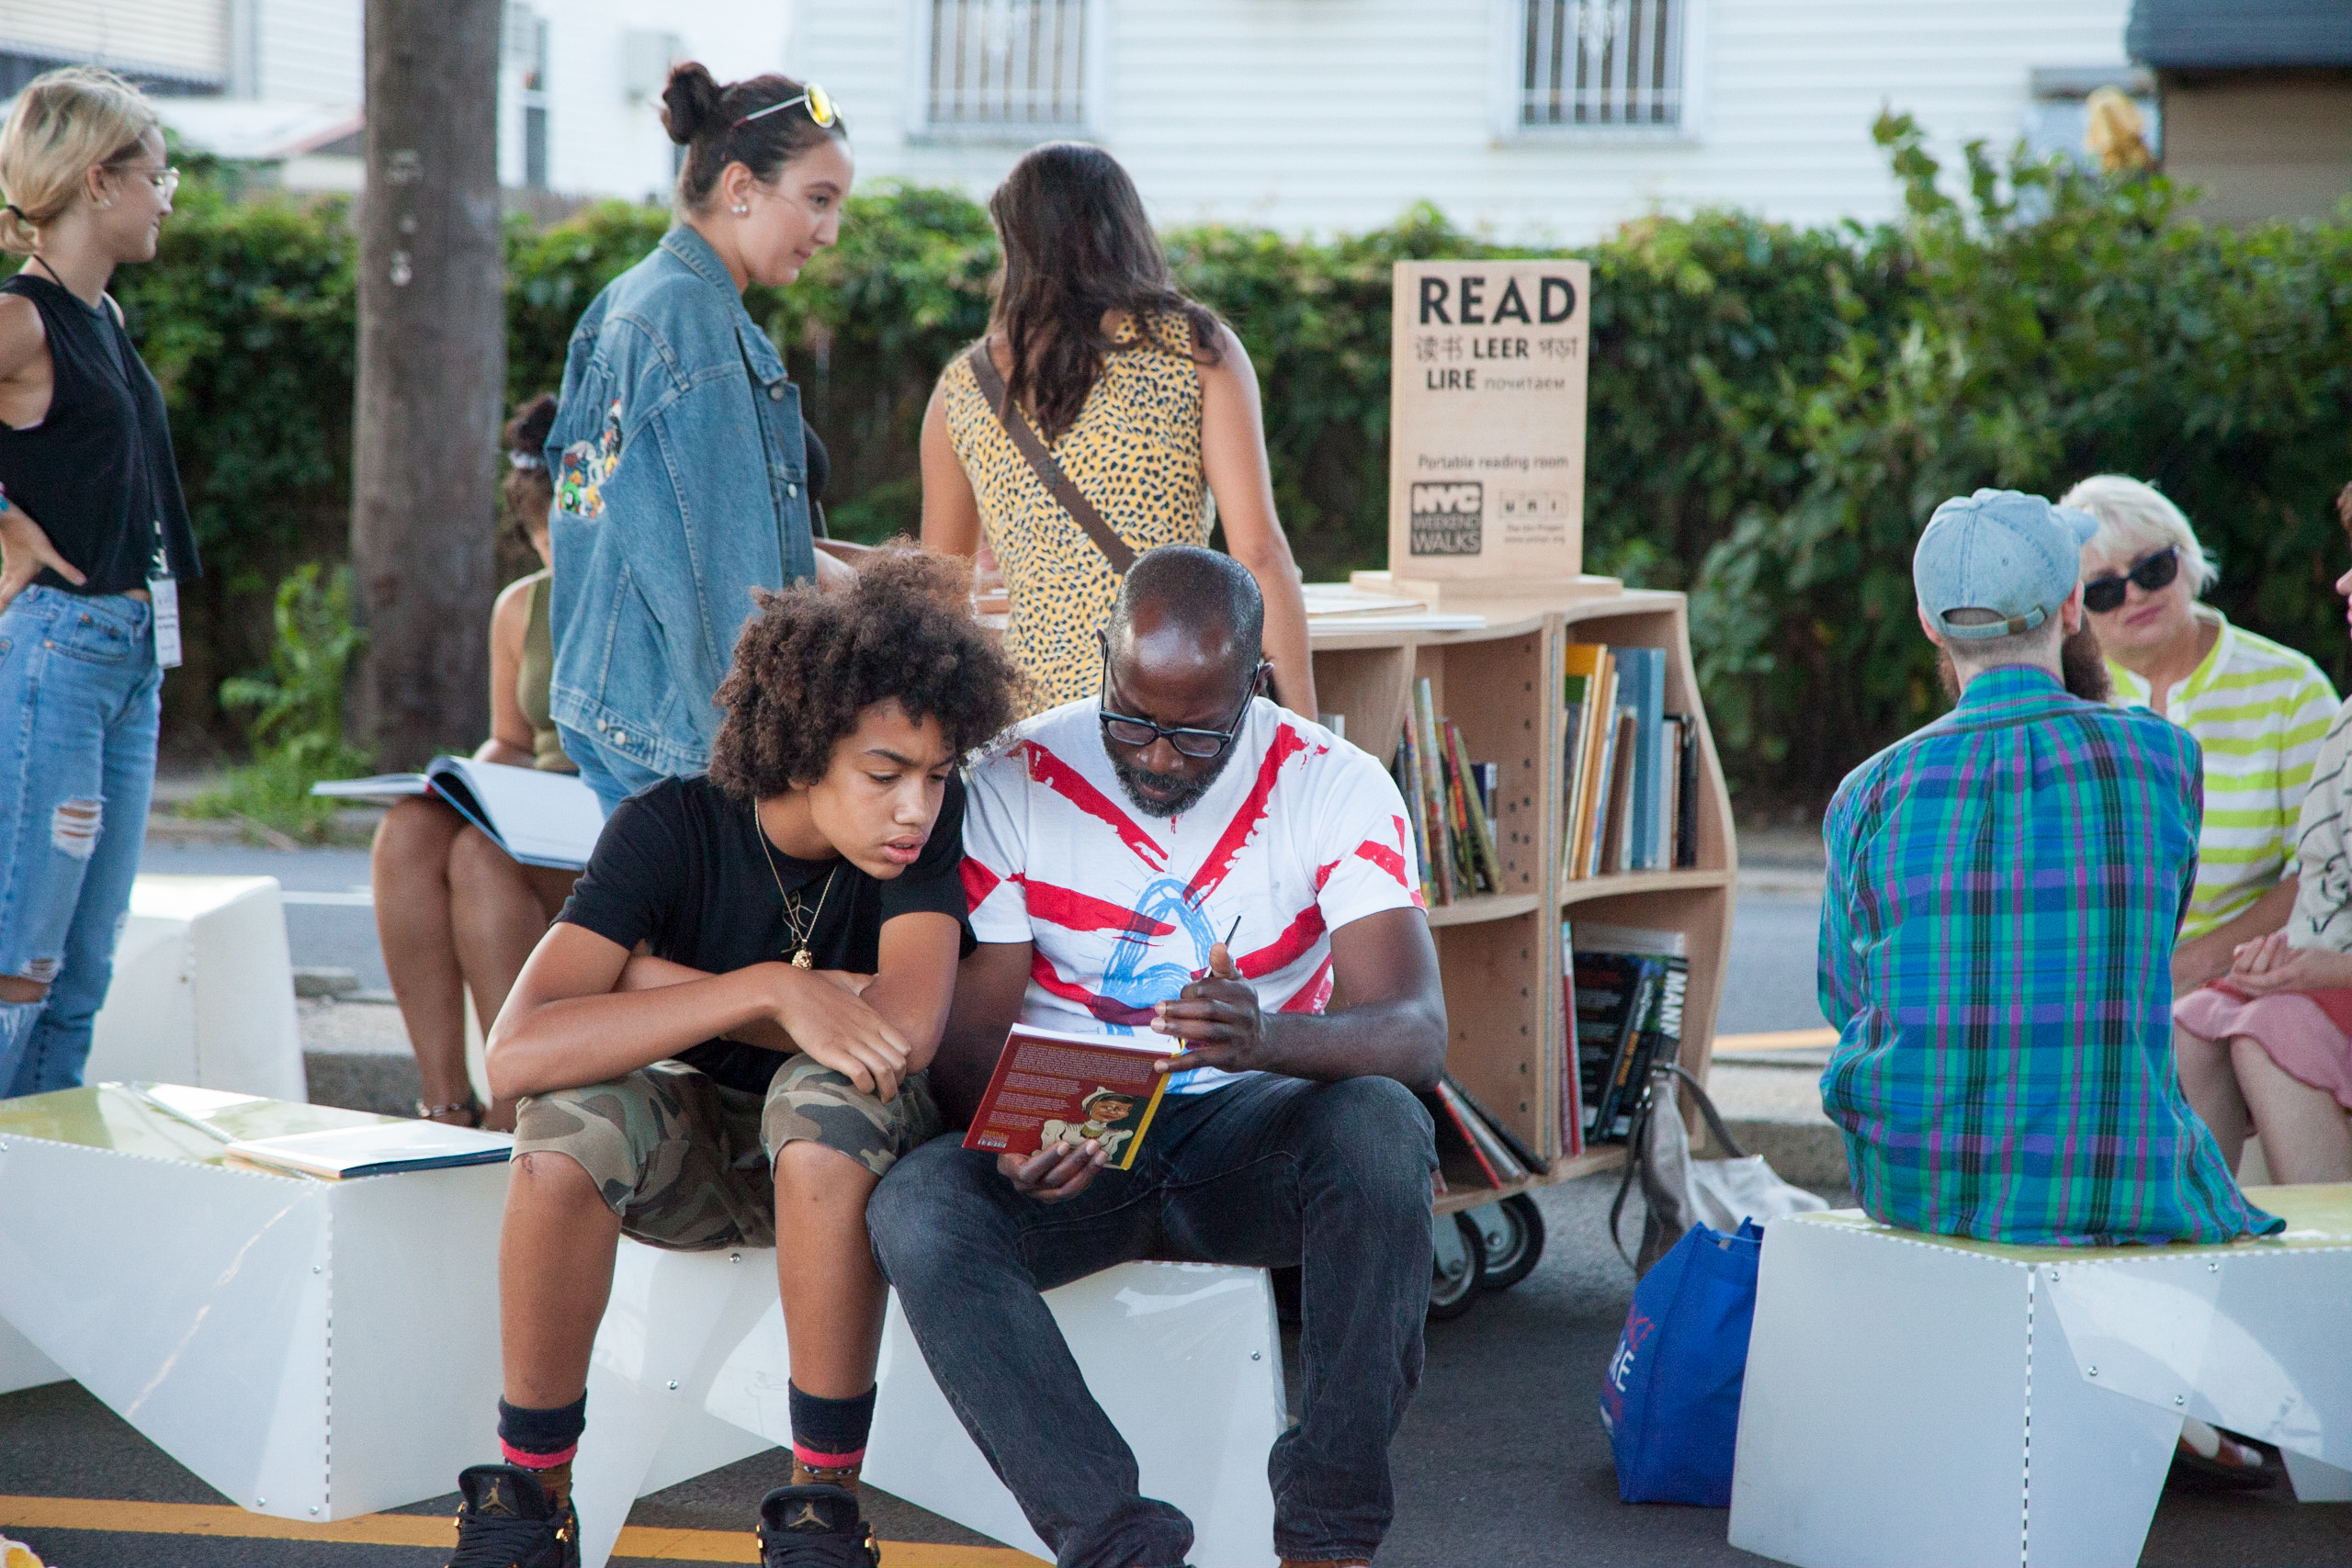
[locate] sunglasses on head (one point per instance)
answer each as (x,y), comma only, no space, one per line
(2101,595)
(819,101)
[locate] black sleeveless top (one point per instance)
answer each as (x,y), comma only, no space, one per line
(96,473)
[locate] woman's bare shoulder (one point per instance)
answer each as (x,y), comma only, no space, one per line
(22,336)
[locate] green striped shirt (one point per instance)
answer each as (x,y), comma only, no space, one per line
(2259,710)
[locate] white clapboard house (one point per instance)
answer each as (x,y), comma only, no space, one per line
(1535,117)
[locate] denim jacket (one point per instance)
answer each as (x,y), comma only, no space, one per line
(679,486)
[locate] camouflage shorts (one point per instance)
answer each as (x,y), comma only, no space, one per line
(683,1160)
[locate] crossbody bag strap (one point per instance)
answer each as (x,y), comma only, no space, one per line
(1025,440)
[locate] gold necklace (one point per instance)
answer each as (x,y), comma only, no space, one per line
(801,958)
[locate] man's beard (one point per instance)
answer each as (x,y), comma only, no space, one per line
(1187,795)
(2081,666)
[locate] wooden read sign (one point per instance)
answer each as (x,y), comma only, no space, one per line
(1487,395)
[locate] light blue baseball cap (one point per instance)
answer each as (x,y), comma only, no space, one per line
(2002,550)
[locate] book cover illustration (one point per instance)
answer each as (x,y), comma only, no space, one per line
(1051,1086)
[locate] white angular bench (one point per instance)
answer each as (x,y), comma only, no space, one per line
(203,990)
(690,1372)
(317,1350)
(1923,1399)
(314,1351)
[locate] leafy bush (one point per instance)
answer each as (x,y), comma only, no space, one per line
(296,728)
(2047,324)
(1774,410)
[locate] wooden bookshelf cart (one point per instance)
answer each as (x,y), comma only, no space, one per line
(1500,954)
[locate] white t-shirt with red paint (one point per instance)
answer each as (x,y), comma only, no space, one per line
(1301,834)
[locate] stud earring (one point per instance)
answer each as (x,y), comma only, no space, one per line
(740,209)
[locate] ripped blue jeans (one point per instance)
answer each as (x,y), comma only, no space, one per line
(80,706)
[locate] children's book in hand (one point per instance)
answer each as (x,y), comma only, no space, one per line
(1055,1087)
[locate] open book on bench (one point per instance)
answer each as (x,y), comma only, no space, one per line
(340,1153)
(540,819)
(1052,1087)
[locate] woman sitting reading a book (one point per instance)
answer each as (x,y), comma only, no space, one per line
(454,912)
(758,961)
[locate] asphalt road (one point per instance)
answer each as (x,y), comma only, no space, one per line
(1768,981)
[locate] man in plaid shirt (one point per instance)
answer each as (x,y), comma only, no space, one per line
(1996,932)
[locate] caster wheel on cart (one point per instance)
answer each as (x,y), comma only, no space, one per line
(1460,1267)
(1512,1234)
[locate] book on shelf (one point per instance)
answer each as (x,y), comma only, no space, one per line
(1054,1087)
(1645,764)
(538,818)
(1474,1150)
(1629,792)
(1571,1091)
(1613,853)
(1636,977)
(1612,999)
(1450,797)
(1511,1141)
(1686,798)
(391,1148)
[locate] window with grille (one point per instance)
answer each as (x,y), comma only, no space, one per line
(1602,63)
(1007,64)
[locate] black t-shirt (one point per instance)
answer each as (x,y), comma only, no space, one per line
(681,866)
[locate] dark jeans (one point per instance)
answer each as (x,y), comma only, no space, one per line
(1267,1171)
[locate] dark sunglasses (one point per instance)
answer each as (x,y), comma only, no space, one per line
(2102,594)
(1197,744)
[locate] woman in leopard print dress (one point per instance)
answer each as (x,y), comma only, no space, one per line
(1146,400)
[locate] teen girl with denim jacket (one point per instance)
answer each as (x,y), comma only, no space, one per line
(94,535)
(681,472)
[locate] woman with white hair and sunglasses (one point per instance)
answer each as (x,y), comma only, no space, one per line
(2258,710)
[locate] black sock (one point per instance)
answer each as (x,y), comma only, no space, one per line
(541,1440)
(829,1434)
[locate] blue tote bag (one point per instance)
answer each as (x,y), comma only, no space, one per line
(1671,1400)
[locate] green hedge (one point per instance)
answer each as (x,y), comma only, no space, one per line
(1774,410)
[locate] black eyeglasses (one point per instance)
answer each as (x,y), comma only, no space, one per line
(2101,595)
(1198,744)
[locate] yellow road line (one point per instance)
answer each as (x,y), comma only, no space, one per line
(1778,1040)
(435,1531)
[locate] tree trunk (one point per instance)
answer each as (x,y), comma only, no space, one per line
(431,374)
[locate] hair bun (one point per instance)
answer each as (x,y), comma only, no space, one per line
(690,102)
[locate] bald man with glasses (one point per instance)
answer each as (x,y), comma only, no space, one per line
(1111,845)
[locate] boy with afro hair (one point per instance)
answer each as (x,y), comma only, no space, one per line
(751,975)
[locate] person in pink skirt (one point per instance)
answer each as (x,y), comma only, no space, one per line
(2285,1007)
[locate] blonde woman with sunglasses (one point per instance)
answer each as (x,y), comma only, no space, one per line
(2258,710)
(94,537)
(685,476)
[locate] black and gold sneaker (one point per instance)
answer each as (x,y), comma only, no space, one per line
(506,1521)
(815,1526)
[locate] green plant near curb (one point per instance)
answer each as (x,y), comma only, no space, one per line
(297,725)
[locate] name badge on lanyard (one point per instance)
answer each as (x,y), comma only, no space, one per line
(163,600)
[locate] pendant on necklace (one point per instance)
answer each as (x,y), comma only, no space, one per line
(801,960)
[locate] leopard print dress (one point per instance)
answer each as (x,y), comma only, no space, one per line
(1136,454)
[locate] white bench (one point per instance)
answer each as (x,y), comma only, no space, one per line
(317,1350)
(690,1372)
(313,1349)
(1921,1399)
(203,990)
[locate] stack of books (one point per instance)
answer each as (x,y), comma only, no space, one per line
(1632,767)
(1474,1148)
(1452,802)
(1622,994)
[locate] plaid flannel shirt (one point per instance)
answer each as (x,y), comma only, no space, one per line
(1997,938)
